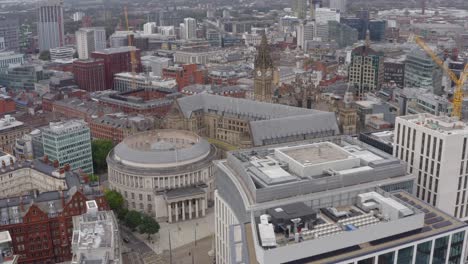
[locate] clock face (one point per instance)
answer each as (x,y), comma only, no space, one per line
(259,73)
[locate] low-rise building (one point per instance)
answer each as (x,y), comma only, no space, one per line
(116,127)
(10,131)
(126,82)
(7,255)
(96,237)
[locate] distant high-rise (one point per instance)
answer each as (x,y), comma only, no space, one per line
(100,40)
(305,32)
(50,27)
(149,28)
(323,15)
(190,28)
(9,34)
(84,42)
(421,71)
(338,4)
(300,8)
(377,29)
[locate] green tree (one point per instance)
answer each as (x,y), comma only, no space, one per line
(100,149)
(148,226)
(133,219)
(44,55)
(122,213)
(114,199)
(93,177)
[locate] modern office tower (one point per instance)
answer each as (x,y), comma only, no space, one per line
(190,28)
(422,71)
(85,43)
(100,41)
(167,30)
(50,29)
(377,29)
(342,34)
(10,58)
(62,54)
(304,33)
(102,228)
(22,77)
(359,24)
(78,16)
(339,5)
(182,31)
(90,74)
(366,71)
(149,28)
(342,202)
(394,71)
(323,15)
(9,34)
(314,5)
(69,142)
(435,149)
(300,8)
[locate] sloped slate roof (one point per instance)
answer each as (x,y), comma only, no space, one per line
(267,121)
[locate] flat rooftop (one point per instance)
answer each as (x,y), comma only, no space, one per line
(349,227)
(442,124)
(316,153)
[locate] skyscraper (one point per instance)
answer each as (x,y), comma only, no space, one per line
(304,33)
(338,4)
(300,8)
(190,26)
(85,43)
(421,71)
(9,34)
(263,80)
(100,40)
(50,27)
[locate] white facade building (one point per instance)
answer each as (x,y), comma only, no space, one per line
(62,54)
(167,30)
(190,27)
(304,33)
(85,43)
(189,57)
(10,58)
(310,202)
(323,15)
(78,16)
(149,28)
(435,149)
(100,41)
(339,5)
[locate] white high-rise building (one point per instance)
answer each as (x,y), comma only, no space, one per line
(435,149)
(166,30)
(182,31)
(50,29)
(149,28)
(304,33)
(190,28)
(323,15)
(100,40)
(339,5)
(85,43)
(78,16)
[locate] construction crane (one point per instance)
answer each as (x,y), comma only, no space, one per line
(459,82)
(133,60)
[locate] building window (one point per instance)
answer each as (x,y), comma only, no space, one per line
(367,261)
(149,198)
(140,196)
(405,255)
(386,258)
(456,248)
(440,250)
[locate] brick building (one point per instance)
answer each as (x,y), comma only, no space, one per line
(185,74)
(90,74)
(116,60)
(117,127)
(7,105)
(40,222)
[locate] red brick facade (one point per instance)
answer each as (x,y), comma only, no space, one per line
(7,105)
(90,75)
(185,75)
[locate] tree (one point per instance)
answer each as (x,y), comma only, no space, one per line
(122,213)
(133,219)
(114,199)
(100,149)
(44,55)
(93,177)
(148,226)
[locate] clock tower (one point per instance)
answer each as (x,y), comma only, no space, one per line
(263,73)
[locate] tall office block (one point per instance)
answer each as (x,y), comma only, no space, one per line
(435,149)
(100,41)
(377,29)
(323,15)
(69,143)
(50,27)
(422,71)
(304,33)
(339,4)
(190,26)
(149,28)
(85,43)
(9,34)
(300,8)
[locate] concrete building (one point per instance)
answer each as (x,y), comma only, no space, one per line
(339,5)
(323,15)
(280,205)
(29,146)
(78,16)
(190,28)
(10,131)
(245,123)
(10,58)
(90,74)
(342,34)
(69,143)
(422,71)
(50,25)
(300,8)
(9,34)
(366,71)
(304,33)
(21,77)
(62,54)
(126,82)
(96,237)
(155,65)
(149,28)
(100,38)
(194,57)
(394,72)
(85,43)
(117,127)
(7,255)
(435,150)
(165,173)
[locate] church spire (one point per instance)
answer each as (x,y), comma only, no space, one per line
(263,59)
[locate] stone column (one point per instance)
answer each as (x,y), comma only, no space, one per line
(196,208)
(169,212)
(190,208)
(203,202)
(176,211)
(183,210)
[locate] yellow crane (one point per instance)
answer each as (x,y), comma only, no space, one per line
(133,60)
(458,93)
